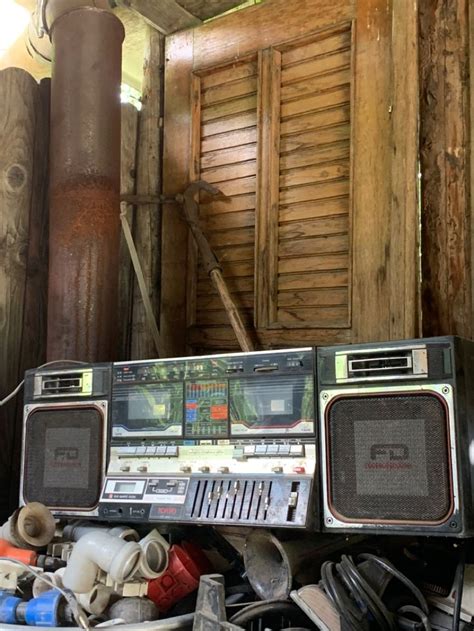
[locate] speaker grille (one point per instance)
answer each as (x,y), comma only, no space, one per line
(388,458)
(63,456)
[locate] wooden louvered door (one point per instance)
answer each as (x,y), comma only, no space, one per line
(304,115)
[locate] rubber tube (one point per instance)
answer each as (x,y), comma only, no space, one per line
(73,532)
(97,549)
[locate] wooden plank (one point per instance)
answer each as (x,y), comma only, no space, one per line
(314,245)
(312,263)
(229,108)
(311,280)
(225,238)
(335,60)
(177,122)
(313,174)
(313,298)
(243,301)
(229,139)
(310,210)
(167,17)
(223,337)
(372,164)
(340,95)
(319,46)
(19,96)
(266,228)
(264,26)
(230,123)
(445,155)
(229,172)
(127,187)
(405,217)
(148,217)
(316,120)
(315,155)
(229,205)
(229,156)
(324,317)
(244,219)
(314,227)
(310,85)
(234,284)
(220,317)
(314,192)
(238,253)
(315,138)
(237,70)
(230,90)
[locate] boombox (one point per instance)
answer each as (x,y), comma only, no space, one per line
(397,437)
(222,439)
(374,438)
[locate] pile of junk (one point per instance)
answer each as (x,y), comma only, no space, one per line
(87,575)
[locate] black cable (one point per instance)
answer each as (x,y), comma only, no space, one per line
(401,577)
(344,605)
(417,612)
(458,588)
(265,607)
(377,608)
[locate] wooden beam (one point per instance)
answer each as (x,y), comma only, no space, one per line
(444,157)
(167,16)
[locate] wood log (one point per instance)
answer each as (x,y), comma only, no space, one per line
(130,116)
(147,228)
(444,155)
(21,194)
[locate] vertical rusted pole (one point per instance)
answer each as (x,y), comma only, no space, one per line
(84,185)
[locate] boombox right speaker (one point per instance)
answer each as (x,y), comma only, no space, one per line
(397,437)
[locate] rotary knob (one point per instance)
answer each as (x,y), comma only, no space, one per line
(125,468)
(223,469)
(142,468)
(204,469)
(185,469)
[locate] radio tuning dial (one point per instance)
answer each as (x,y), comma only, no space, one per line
(204,469)
(142,468)
(125,468)
(223,469)
(185,469)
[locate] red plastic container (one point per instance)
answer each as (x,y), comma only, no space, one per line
(181,578)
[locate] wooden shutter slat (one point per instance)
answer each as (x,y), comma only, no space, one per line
(244,300)
(229,123)
(229,156)
(314,227)
(236,71)
(311,264)
(316,173)
(311,85)
(319,47)
(225,238)
(314,245)
(314,192)
(313,297)
(318,65)
(229,90)
(339,95)
(326,317)
(313,280)
(229,139)
(311,156)
(311,210)
(221,317)
(315,138)
(315,120)
(228,172)
(234,285)
(228,108)
(225,221)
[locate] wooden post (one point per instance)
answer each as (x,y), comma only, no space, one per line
(147,225)
(444,154)
(23,161)
(127,187)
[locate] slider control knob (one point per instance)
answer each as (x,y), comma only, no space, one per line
(185,469)
(125,468)
(204,469)
(223,469)
(277,469)
(142,468)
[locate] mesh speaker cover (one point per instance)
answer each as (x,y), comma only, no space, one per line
(388,458)
(63,457)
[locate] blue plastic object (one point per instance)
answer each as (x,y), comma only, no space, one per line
(8,607)
(43,611)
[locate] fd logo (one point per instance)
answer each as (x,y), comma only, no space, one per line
(389,456)
(66,457)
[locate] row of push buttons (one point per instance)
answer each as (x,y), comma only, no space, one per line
(269,450)
(161,450)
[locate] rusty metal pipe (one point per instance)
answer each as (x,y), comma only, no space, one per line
(84,185)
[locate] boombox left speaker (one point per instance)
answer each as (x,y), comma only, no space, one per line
(65,431)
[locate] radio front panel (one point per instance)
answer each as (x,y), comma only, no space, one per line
(227,430)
